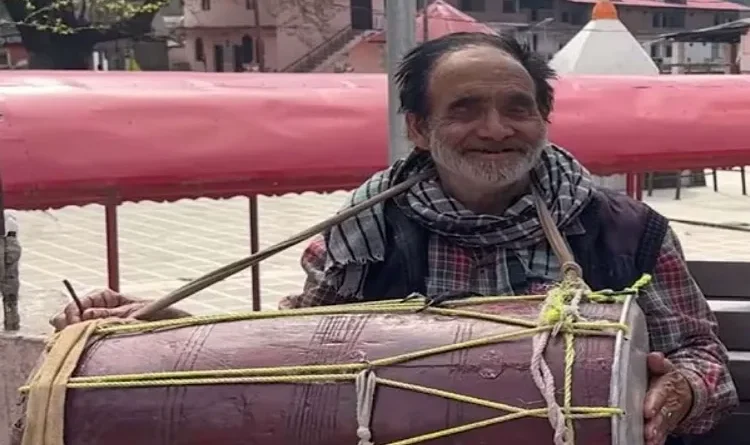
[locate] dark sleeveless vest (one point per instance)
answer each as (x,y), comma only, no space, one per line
(621,242)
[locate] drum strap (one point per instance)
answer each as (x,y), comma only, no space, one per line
(569,267)
(45,408)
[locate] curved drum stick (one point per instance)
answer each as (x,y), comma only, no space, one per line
(227,271)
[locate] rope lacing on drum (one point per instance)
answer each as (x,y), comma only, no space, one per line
(560,310)
(70,338)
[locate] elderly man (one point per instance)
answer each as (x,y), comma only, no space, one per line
(477,108)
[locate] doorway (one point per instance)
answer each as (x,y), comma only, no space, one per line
(218,58)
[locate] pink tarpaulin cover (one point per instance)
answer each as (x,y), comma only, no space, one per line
(72,138)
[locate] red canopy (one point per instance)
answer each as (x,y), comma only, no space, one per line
(443,19)
(71,138)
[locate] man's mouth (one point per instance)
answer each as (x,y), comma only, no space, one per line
(494,151)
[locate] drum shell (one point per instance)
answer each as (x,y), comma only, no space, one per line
(324,413)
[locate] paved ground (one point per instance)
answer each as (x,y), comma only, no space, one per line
(162,246)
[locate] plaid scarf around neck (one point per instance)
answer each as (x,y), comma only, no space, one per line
(565,185)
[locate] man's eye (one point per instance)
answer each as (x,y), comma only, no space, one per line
(519,111)
(463,111)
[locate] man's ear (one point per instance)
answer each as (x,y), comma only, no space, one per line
(416,129)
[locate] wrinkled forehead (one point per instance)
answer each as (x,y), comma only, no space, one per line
(483,72)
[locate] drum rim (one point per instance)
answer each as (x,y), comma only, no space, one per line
(630,315)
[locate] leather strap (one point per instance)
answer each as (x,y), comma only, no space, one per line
(569,268)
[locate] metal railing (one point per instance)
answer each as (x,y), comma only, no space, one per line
(320,53)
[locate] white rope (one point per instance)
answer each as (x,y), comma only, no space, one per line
(545,381)
(541,373)
(571,310)
(365,386)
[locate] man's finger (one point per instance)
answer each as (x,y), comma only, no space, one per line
(659,438)
(103,298)
(59,321)
(656,397)
(102,312)
(658,364)
(71,310)
(656,429)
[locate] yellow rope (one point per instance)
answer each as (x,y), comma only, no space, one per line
(46,402)
(70,342)
(104,381)
(570,356)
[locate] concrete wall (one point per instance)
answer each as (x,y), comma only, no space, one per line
(20,354)
(290,29)
(368,57)
(224,13)
(226,39)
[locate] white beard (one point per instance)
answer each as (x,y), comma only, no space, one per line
(497,173)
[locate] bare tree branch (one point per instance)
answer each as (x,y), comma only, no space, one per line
(306,19)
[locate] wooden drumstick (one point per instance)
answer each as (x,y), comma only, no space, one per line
(74,296)
(225,272)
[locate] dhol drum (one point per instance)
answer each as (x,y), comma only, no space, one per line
(476,371)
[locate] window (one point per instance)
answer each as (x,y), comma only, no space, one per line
(534,42)
(534,15)
(509,6)
(248,53)
(4,58)
(472,5)
(675,19)
(656,20)
(565,17)
(669,19)
(668,50)
(206,5)
(200,52)
(654,50)
(720,18)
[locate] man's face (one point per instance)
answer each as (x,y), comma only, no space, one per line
(484,124)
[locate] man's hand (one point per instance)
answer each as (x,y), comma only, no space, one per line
(101,304)
(668,401)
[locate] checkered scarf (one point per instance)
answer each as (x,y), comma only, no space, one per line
(565,186)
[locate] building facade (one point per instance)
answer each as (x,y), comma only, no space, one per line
(241,35)
(547,25)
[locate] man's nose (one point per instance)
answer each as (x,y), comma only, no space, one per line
(494,126)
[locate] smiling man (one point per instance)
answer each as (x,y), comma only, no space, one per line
(477,108)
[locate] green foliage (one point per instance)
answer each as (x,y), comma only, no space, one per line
(72,16)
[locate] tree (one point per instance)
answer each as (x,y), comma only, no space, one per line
(308,20)
(61,34)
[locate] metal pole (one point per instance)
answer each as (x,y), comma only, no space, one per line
(425,22)
(400,24)
(260,56)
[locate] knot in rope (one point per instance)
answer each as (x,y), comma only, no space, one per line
(364,435)
(365,387)
(561,309)
(570,270)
